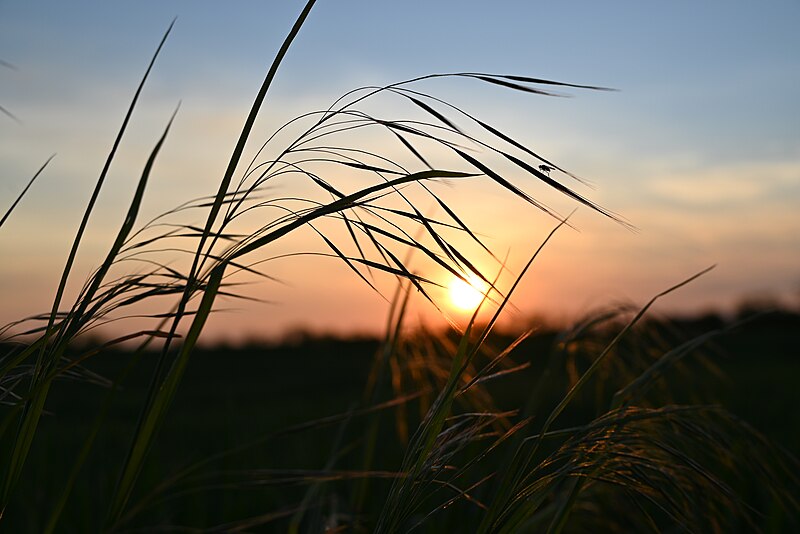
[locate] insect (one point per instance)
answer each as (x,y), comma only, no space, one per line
(546,169)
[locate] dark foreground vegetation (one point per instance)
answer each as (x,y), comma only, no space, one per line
(312,432)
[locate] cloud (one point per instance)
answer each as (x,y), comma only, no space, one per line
(729,185)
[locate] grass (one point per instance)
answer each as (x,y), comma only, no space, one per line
(426,445)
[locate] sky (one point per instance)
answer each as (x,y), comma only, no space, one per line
(699,148)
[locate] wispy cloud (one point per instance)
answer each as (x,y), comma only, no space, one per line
(729,185)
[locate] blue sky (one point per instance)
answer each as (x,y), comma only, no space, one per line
(700,148)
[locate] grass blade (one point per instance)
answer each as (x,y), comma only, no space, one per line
(157,402)
(151,423)
(30,183)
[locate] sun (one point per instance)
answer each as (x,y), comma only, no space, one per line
(466,295)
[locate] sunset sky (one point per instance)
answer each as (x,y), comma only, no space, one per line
(699,148)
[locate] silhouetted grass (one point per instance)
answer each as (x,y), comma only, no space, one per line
(426,444)
(232,397)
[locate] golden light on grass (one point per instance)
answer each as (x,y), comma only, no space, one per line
(466,295)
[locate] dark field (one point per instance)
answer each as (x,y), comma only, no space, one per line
(241,399)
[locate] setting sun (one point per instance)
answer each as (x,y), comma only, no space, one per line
(466,295)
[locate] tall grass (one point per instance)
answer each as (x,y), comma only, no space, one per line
(460,450)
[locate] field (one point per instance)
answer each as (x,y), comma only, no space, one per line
(252,402)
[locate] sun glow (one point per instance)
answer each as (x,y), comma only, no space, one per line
(466,295)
